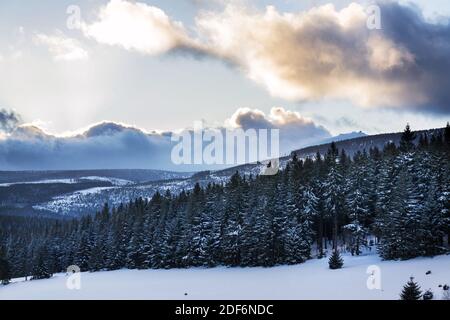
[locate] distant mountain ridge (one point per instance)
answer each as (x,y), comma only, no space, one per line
(363,142)
(345,136)
(134,175)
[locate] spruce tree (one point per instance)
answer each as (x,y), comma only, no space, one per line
(333,200)
(447,135)
(407,139)
(335,261)
(5,271)
(357,202)
(411,291)
(41,269)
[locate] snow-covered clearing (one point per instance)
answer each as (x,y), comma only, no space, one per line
(311,280)
(46,181)
(113,181)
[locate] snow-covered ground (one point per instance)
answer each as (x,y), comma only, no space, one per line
(113,181)
(310,280)
(45,181)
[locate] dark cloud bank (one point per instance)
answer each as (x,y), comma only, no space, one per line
(114,146)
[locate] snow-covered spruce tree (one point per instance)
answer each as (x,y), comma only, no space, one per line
(256,246)
(252,231)
(442,170)
(112,262)
(135,256)
(13,253)
(432,223)
(301,217)
(41,268)
(298,242)
(284,210)
(384,187)
(310,212)
(335,261)
(400,236)
(190,238)
(411,291)
(83,252)
(334,193)
(5,271)
(357,202)
(215,216)
(205,232)
(232,220)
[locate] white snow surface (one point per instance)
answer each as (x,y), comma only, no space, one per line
(113,181)
(310,280)
(45,181)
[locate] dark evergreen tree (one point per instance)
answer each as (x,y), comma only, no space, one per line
(428,295)
(411,291)
(5,271)
(407,139)
(335,261)
(357,202)
(41,268)
(447,135)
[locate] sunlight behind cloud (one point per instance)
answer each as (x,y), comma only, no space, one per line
(136,26)
(62,47)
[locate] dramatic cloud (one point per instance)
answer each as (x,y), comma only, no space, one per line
(111,145)
(29,148)
(296,131)
(62,47)
(9,120)
(322,53)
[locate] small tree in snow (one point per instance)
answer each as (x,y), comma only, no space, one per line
(411,291)
(335,261)
(428,295)
(446,293)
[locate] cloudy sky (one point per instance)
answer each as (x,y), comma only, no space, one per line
(311,68)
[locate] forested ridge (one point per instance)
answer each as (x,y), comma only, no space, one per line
(399,194)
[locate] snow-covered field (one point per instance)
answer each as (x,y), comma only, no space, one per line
(113,181)
(311,280)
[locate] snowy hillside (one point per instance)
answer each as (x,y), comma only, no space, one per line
(310,280)
(71,193)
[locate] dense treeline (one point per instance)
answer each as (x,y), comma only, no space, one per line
(399,194)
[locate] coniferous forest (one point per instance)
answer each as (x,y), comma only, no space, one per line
(399,196)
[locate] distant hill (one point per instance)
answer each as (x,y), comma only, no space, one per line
(364,142)
(133,175)
(345,136)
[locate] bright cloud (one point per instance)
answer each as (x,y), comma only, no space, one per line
(136,26)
